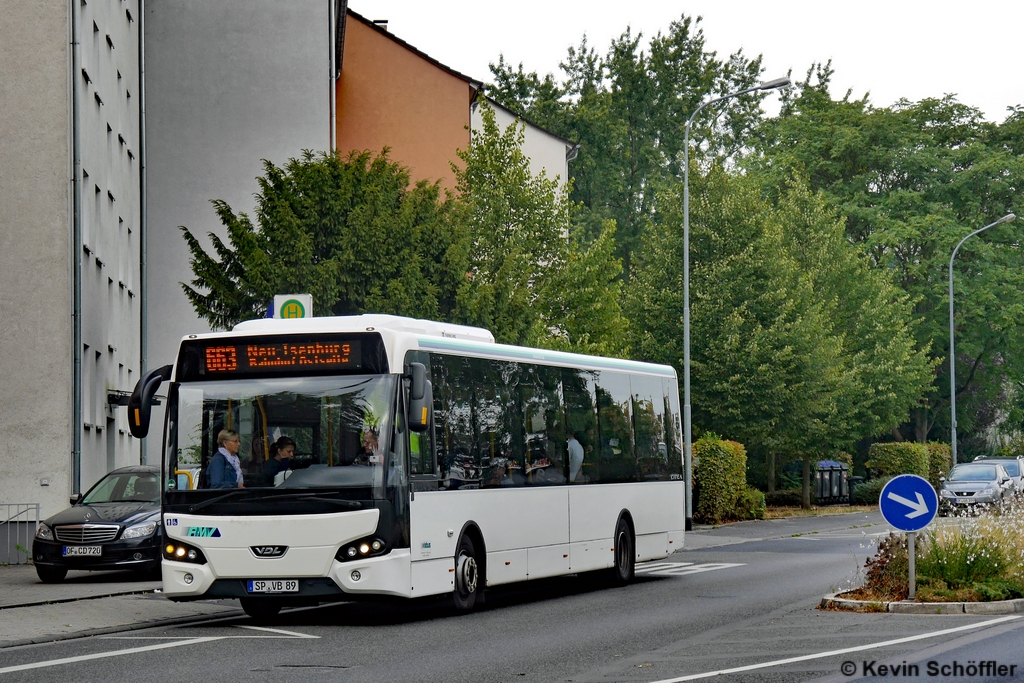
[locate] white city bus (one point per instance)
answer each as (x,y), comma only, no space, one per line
(428,460)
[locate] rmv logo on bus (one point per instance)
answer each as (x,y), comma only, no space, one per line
(204,531)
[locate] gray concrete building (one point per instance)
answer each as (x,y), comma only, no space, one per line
(95,178)
(69,243)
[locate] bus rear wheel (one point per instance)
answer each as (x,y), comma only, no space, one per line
(467,576)
(260,609)
(625,557)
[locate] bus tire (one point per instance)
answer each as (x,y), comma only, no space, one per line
(260,609)
(625,555)
(468,582)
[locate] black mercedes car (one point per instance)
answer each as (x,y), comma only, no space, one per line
(115,525)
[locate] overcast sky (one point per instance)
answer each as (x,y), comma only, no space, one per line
(892,49)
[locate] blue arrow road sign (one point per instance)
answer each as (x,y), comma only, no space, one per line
(908,502)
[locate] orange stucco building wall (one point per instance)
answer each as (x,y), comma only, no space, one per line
(390,96)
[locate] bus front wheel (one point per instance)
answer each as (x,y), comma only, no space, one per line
(625,557)
(467,575)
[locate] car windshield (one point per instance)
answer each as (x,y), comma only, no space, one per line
(972,473)
(1012,467)
(129,487)
(292,432)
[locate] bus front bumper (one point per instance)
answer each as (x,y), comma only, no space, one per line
(385,575)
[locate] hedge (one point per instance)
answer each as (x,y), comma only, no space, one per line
(867,493)
(786,498)
(940,460)
(720,478)
(901,457)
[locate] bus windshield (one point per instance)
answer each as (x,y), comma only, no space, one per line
(311,432)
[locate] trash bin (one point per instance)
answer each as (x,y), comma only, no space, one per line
(854,483)
(832,482)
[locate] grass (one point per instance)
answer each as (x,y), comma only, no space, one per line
(784,512)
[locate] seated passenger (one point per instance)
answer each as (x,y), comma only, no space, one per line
(224,470)
(575,457)
(282,451)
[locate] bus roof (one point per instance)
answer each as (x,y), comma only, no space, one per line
(362,323)
(544,356)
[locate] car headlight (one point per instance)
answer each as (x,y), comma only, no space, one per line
(139,530)
(44,532)
(946,494)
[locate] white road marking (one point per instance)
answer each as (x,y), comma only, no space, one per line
(146,648)
(681,568)
(293,634)
(101,655)
(832,653)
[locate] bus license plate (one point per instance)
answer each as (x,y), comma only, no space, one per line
(83,550)
(273,586)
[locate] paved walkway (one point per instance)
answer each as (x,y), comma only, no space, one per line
(89,603)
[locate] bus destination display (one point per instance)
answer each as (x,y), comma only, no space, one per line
(284,357)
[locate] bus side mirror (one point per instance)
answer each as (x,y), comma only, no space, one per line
(140,405)
(420,398)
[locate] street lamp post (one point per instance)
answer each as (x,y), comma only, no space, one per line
(687,433)
(952,351)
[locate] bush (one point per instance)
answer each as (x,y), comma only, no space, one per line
(888,570)
(867,493)
(940,460)
(785,499)
(751,504)
(720,478)
(961,557)
(891,459)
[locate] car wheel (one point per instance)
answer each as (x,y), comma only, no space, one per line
(468,581)
(625,558)
(260,609)
(51,574)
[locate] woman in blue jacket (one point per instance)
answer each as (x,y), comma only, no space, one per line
(225,471)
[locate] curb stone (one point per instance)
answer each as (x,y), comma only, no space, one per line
(834,601)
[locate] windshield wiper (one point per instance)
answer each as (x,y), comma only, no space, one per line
(215,499)
(351,504)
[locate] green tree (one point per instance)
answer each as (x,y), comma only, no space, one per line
(352,232)
(912,180)
(531,279)
(798,348)
(628,109)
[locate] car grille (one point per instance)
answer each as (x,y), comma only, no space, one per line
(86,533)
(963,494)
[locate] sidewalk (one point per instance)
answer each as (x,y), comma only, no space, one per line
(768,529)
(89,603)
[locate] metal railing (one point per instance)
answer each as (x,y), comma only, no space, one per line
(18,523)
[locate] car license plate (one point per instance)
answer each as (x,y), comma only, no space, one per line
(273,586)
(83,550)
(965,500)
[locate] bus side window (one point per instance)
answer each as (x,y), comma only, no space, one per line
(617,459)
(580,424)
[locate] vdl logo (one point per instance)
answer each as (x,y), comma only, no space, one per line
(293,308)
(204,531)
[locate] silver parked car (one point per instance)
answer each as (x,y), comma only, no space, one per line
(970,485)
(1014,466)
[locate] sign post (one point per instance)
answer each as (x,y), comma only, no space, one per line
(909,503)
